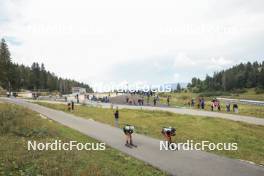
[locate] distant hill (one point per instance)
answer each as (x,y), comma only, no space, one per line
(244,75)
(15,77)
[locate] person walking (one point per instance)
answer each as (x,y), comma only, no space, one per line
(72,105)
(202,103)
(212,105)
(218,105)
(69,106)
(154,101)
(199,103)
(192,102)
(116,114)
(168,100)
(77,97)
(227,107)
(148,99)
(235,108)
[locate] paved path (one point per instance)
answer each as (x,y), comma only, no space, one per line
(179,110)
(182,163)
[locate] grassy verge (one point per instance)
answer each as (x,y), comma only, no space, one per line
(249,137)
(18,125)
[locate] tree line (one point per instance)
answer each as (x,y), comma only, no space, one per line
(239,77)
(14,77)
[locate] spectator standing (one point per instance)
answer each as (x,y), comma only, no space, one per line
(202,103)
(116,114)
(154,101)
(199,103)
(168,100)
(235,108)
(227,107)
(192,102)
(212,105)
(72,105)
(219,106)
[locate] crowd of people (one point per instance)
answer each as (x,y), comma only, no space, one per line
(167,132)
(139,100)
(135,101)
(215,105)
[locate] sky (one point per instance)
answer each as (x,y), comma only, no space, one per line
(145,41)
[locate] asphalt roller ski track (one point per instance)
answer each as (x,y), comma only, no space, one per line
(181,163)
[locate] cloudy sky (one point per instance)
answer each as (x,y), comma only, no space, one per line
(151,41)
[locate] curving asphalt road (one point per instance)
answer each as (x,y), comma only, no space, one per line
(178,110)
(181,163)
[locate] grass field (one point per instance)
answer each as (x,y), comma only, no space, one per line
(249,137)
(182,99)
(249,94)
(18,125)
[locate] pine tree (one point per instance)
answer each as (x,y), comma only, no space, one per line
(15,77)
(5,65)
(43,77)
(249,75)
(178,87)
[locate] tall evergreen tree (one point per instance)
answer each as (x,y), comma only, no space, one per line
(5,65)
(249,75)
(178,87)
(16,77)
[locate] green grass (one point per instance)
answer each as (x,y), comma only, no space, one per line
(249,137)
(18,125)
(250,94)
(182,99)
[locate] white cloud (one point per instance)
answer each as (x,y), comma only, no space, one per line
(182,61)
(176,77)
(85,40)
(220,63)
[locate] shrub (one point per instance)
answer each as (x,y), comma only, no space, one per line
(259,90)
(213,94)
(196,90)
(239,91)
(184,97)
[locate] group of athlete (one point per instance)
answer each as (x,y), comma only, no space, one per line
(167,132)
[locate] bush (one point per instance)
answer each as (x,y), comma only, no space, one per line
(2,91)
(239,91)
(259,90)
(196,90)
(184,97)
(213,94)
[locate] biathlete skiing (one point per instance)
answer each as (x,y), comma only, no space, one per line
(128,130)
(168,132)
